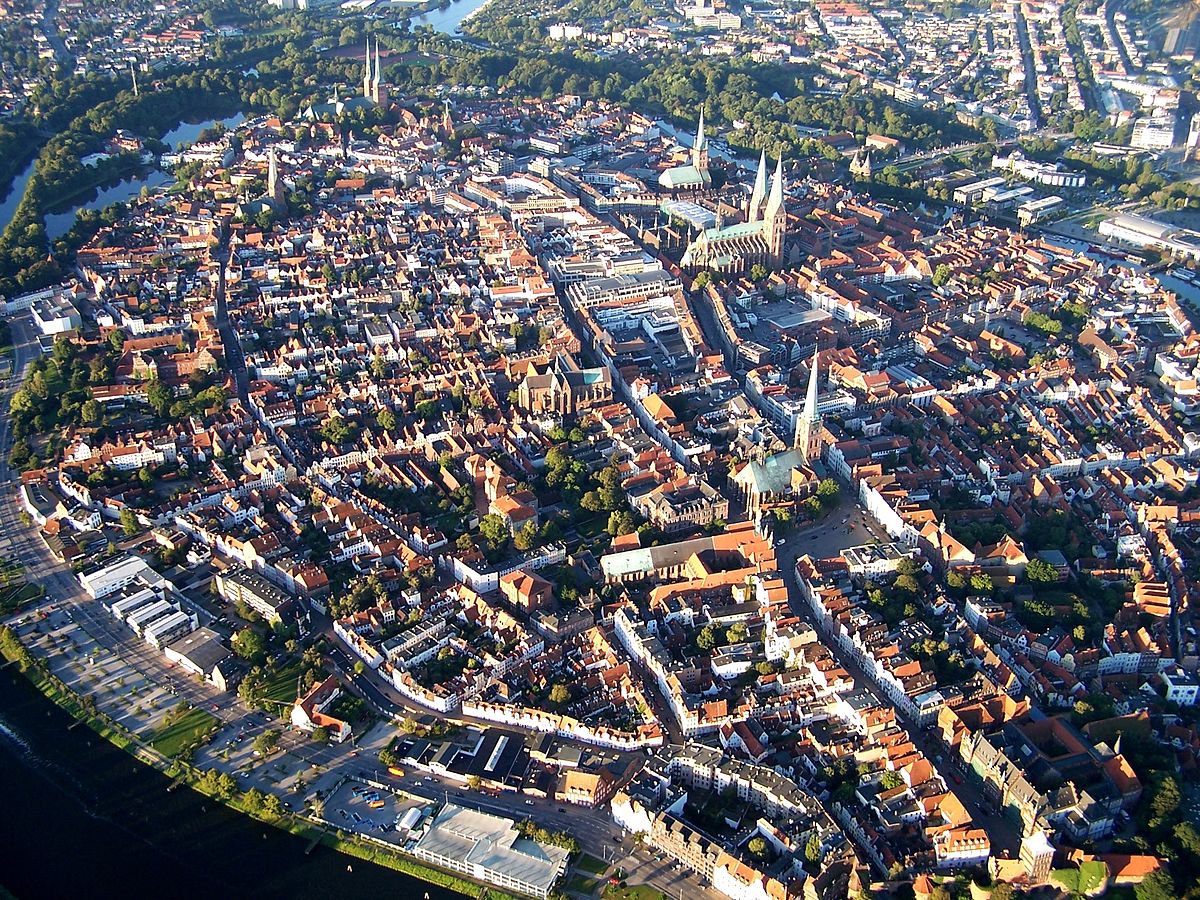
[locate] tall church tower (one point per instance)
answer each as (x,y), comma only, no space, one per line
(700,146)
(367,80)
(809,427)
(378,89)
(275,191)
(775,217)
(758,196)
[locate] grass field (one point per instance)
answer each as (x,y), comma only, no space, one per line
(15,591)
(589,863)
(281,686)
(1084,880)
(184,733)
(633,892)
(13,597)
(580,884)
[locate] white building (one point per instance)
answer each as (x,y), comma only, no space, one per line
(488,848)
(100,581)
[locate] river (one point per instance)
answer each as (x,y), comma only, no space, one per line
(449,19)
(83,818)
(8,205)
(60,222)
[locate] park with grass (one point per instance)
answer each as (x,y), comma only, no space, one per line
(1085,881)
(15,591)
(632,892)
(183,730)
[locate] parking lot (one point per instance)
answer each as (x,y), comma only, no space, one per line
(138,700)
(359,807)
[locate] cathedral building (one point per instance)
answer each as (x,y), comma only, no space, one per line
(693,177)
(783,479)
(374,91)
(373,87)
(735,248)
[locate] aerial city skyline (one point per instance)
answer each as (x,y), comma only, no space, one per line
(605,450)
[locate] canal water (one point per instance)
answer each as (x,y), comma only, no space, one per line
(182,135)
(59,223)
(10,200)
(447,20)
(84,819)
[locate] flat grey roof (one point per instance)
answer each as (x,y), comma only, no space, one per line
(492,842)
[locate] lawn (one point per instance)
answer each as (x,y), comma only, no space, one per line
(189,729)
(281,686)
(578,884)
(15,591)
(1084,880)
(589,863)
(632,892)
(13,597)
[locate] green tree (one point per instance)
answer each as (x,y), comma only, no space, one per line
(267,741)
(273,806)
(320,735)
(890,780)
(757,847)
(941,274)
(560,693)
(253,800)
(812,849)
(1156,886)
(527,537)
(386,420)
(1164,800)
(493,529)
(249,645)
(982,583)
(89,413)
(827,490)
(1038,571)
(129,522)
(706,638)
(159,396)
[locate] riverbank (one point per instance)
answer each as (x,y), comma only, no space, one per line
(249,805)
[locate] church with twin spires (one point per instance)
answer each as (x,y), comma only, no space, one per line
(733,249)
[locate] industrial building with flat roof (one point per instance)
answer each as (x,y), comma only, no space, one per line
(112,575)
(489,848)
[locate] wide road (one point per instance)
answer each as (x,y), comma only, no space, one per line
(20,542)
(1031,85)
(50,29)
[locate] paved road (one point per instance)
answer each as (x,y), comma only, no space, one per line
(235,359)
(50,28)
(1031,90)
(22,543)
(817,543)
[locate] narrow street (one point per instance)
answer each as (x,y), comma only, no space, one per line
(823,542)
